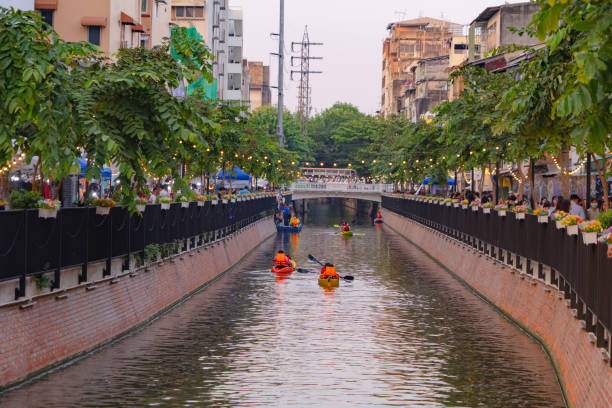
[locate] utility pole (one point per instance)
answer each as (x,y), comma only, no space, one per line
(281,67)
(304,94)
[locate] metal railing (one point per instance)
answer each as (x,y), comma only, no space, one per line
(341,187)
(30,245)
(582,273)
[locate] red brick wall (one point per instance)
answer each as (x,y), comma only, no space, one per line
(587,379)
(54,330)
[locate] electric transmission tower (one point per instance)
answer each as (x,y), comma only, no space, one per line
(304,90)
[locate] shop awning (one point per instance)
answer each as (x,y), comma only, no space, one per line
(93,21)
(126,20)
(45,4)
(137,28)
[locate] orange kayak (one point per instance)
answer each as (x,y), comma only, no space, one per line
(283,271)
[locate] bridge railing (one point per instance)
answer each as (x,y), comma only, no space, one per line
(341,187)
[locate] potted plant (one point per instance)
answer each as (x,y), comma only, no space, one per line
(225,198)
(487,207)
(464,204)
(103,205)
(571,223)
(559,216)
(606,238)
(542,215)
(214,199)
(48,208)
(501,209)
(474,205)
(448,202)
(455,202)
(590,229)
(165,203)
(201,200)
(141,204)
(183,200)
(519,212)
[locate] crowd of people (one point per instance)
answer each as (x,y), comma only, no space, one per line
(574,205)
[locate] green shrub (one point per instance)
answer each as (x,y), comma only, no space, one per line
(22,199)
(605,218)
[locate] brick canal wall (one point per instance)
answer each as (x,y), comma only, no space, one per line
(538,308)
(61,325)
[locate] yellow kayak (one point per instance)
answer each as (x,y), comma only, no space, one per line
(346,233)
(329,283)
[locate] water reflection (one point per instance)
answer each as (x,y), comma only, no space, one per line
(404,333)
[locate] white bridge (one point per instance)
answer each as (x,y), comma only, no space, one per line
(303,190)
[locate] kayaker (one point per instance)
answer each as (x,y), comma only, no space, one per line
(294,222)
(329,272)
(378,215)
(345,227)
(286,214)
(282,260)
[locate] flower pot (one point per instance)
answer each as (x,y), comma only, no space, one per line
(501,213)
(519,216)
(572,230)
(103,210)
(233,200)
(486,210)
(214,202)
(224,201)
(141,207)
(448,204)
(589,238)
(200,203)
(464,206)
(474,208)
(165,206)
(184,205)
(559,225)
(455,205)
(609,251)
(47,213)
(543,219)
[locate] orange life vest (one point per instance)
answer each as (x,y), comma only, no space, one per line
(329,272)
(281,260)
(378,215)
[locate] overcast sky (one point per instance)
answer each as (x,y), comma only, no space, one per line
(352,30)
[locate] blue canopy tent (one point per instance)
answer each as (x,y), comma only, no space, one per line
(450,181)
(235,174)
(106,172)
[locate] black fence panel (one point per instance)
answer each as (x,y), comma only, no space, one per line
(586,268)
(30,245)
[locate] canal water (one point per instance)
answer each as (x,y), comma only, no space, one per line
(404,333)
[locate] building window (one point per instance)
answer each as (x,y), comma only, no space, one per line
(144,6)
(188,12)
(235,28)
(47,17)
(143,43)
(233,82)
(235,55)
(157,9)
(93,35)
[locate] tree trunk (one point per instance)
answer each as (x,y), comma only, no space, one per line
(532,183)
(482,177)
(57,190)
(519,168)
(34,174)
(602,172)
(565,177)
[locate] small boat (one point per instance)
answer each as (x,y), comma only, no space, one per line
(288,228)
(329,283)
(378,220)
(283,271)
(346,233)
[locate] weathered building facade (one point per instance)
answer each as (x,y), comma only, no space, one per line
(259,88)
(410,41)
(429,89)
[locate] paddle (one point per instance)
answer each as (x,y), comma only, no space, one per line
(336,226)
(312,258)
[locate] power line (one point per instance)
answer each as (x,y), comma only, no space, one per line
(305,91)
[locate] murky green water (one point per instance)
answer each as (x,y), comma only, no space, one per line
(404,333)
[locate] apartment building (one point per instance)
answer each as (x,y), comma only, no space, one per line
(259,89)
(408,42)
(109,24)
(429,89)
